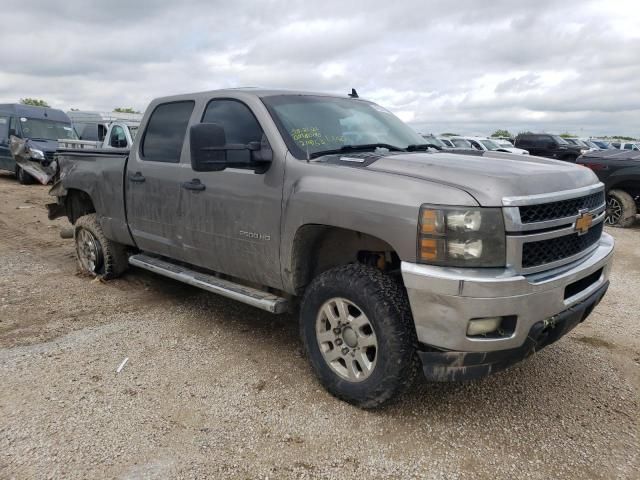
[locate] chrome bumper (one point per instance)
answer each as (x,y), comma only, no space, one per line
(443,300)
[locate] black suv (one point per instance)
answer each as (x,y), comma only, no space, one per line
(619,170)
(550,146)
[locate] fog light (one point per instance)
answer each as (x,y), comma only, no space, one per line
(482,326)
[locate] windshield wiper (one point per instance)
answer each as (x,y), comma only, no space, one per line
(356,148)
(422,146)
(39,139)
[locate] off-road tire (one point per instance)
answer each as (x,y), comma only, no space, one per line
(23,177)
(628,205)
(384,301)
(114,259)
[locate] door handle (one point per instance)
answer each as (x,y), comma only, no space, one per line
(137,177)
(194,185)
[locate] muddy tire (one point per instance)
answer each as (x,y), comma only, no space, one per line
(358,334)
(97,255)
(23,177)
(621,209)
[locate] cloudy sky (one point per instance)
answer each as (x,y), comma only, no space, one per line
(465,66)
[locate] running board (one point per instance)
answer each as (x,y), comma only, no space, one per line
(250,296)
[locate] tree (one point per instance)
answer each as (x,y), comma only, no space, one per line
(449,135)
(36,102)
(501,133)
(125,110)
(567,135)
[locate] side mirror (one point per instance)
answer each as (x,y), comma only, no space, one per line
(210,151)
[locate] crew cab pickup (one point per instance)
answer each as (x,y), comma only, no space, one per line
(620,173)
(119,135)
(398,258)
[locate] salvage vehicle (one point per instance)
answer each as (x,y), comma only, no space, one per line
(399,258)
(118,135)
(549,146)
(620,173)
(94,126)
(491,145)
(29,138)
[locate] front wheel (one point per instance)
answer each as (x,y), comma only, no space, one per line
(358,333)
(621,209)
(97,255)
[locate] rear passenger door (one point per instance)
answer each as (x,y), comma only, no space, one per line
(233,225)
(153,193)
(5,155)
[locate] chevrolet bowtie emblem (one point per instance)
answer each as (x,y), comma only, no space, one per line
(583,223)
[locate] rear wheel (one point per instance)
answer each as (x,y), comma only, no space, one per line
(23,177)
(621,209)
(97,255)
(358,333)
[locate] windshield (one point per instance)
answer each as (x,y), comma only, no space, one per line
(38,129)
(490,144)
(559,140)
(433,141)
(461,143)
(311,124)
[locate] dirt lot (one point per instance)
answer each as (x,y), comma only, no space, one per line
(217,389)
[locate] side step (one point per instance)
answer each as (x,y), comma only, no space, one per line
(251,296)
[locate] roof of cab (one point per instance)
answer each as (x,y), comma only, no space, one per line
(257,92)
(30,111)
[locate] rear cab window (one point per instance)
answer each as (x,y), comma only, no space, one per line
(165,132)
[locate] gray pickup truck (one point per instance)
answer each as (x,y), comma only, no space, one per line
(398,258)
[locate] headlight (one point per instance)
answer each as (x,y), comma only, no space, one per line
(36,154)
(461,237)
(583,151)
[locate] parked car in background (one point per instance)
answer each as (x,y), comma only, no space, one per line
(118,135)
(461,143)
(550,146)
(620,173)
(580,143)
(635,146)
(440,145)
(602,144)
(491,145)
(398,258)
(94,125)
(508,146)
(446,141)
(29,138)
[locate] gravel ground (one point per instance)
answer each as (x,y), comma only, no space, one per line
(217,389)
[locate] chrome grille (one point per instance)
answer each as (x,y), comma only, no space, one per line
(541,229)
(559,248)
(561,209)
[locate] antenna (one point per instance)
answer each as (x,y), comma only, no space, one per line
(353,93)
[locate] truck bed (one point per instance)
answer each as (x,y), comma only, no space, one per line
(100,174)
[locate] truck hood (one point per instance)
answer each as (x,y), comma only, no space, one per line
(490,177)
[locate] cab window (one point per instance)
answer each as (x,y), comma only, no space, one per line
(239,123)
(165,132)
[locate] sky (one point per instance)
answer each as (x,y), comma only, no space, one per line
(467,67)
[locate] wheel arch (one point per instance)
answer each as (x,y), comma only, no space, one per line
(317,248)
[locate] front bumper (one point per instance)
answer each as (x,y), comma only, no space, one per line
(455,366)
(443,300)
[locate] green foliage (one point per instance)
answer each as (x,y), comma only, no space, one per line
(36,102)
(125,110)
(567,135)
(501,133)
(620,137)
(449,134)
